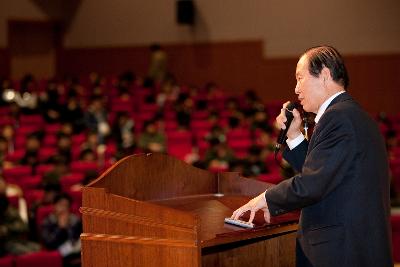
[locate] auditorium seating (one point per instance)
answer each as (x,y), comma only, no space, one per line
(179,143)
(39,259)
(7,261)
(395,219)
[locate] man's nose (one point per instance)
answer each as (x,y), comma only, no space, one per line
(296,89)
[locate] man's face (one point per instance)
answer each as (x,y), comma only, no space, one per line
(310,89)
(62,206)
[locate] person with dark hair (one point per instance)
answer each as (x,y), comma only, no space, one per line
(71,112)
(152,140)
(218,156)
(31,151)
(254,165)
(64,146)
(13,229)
(123,132)
(50,103)
(61,230)
(342,185)
(96,118)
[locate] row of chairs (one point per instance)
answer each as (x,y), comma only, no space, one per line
(36,259)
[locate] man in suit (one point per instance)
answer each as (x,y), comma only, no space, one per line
(342,185)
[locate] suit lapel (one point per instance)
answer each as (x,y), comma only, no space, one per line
(340,98)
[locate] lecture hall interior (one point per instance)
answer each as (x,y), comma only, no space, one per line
(130,129)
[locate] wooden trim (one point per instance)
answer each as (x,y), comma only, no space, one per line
(138,240)
(137,219)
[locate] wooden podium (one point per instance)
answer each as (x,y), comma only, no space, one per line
(155,210)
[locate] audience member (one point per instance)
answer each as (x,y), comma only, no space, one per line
(51,190)
(152,140)
(64,145)
(50,103)
(72,113)
(32,146)
(158,64)
(13,229)
(123,133)
(254,164)
(61,231)
(8,133)
(96,119)
(219,156)
(15,191)
(60,168)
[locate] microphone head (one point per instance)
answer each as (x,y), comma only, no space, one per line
(291,106)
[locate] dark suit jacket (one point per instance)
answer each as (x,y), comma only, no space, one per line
(342,190)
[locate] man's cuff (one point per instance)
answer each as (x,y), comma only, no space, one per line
(292,143)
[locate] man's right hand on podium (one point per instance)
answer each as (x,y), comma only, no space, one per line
(254,205)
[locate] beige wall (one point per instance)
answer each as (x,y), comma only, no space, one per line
(287,27)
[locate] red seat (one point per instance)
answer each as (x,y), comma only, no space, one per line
(179,150)
(16,156)
(46,152)
(7,261)
(76,201)
(203,125)
(170,125)
(200,115)
(30,182)
(273,178)
(119,105)
(17,173)
(43,168)
(36,120)
(395,219)
(4,120)
(78,139)
(39,259)
(179,137)
(152,108)
(4,111)
(70,179)
(50,140)
(20,141)
(240,146)
(83,166)
(33,195)
(42,213)
(25,130)
(52,128)
(238,134)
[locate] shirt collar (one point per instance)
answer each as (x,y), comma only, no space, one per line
(325,105)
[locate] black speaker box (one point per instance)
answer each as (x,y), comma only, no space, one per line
(185,12)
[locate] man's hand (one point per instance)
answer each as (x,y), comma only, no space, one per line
(294,128)
(257,203)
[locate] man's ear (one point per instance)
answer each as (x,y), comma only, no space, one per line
(326,74)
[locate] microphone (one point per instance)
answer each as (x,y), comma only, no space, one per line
(289,116)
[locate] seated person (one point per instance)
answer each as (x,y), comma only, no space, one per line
(32,146)
(60,168)
(13,231)
(219,156)
(254,165)
(61,230)
(50,193)
(152,140)
(15,191)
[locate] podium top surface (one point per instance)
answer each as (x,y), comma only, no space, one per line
(211,209)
